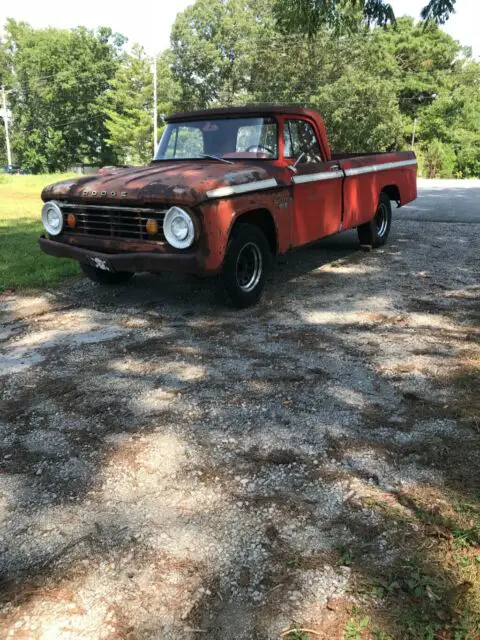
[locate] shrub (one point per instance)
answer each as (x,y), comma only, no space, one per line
(436,160)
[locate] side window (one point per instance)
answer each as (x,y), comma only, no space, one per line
(300,139)
(185,142)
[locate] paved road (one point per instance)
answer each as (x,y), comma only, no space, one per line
(451,201)
(444,201)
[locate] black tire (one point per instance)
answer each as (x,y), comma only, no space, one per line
(105,277)
(375,233)
(246,265)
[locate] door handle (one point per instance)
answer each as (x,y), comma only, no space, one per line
(335,167)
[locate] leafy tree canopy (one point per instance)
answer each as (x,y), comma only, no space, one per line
(232,52)
(79,95)
(128,105)
(58,78)
(309,16)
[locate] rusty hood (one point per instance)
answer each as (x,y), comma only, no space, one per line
(178,182)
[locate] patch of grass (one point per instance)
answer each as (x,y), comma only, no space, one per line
(22,264)
(427,606)
(465,538)
(355,628)
(437,593)
(346,556)
(412,581)
(429,588)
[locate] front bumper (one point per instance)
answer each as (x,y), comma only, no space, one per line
(131,262)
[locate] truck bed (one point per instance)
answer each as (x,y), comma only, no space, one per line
(368,174)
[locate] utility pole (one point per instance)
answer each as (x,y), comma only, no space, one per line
(414,131)
(5,122)
(155,106)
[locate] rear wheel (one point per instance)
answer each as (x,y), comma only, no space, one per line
(246,265)
(105,277)
(375,232)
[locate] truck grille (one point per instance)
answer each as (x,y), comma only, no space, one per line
(114,222)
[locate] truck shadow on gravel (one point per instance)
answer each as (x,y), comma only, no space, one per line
(171,465)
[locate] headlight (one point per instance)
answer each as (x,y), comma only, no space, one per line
(52,218)
(178,228)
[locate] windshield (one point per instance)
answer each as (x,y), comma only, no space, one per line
(234,138)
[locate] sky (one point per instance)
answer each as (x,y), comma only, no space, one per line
(149,23)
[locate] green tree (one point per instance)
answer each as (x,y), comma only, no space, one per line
(436,159)
(5,79)
(168,90)
(453,120)
(212,45)
(59,81)
(309,16)
(355,94)
(369,100)
(5,71)
(129,105)
(425,59)
(3,150)
(361,113)
(77,96)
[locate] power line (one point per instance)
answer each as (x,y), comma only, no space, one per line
(63,126)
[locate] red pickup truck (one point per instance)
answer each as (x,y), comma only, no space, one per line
(227,190)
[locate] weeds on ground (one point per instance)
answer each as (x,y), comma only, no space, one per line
(354,628)
(346,556)
(434,595)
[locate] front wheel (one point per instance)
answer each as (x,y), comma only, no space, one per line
(105,277)
(375,233)
(246,265)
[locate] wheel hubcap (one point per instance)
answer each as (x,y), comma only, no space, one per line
(249,267)
(381,220)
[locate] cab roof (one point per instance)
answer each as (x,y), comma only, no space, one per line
(261,110)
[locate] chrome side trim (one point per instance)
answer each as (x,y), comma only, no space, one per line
(316,177)
(224,192)
(373,168)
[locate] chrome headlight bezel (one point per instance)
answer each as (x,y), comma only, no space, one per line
(48,208)
(172,214)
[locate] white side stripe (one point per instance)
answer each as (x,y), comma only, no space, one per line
(316,177)
(372,168)
(223,192)
(259,185)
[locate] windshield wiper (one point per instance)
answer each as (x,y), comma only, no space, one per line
(212,157)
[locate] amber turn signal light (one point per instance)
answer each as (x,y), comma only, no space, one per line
(152,227)
(71,221)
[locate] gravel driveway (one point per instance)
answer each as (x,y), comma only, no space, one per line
(173,469)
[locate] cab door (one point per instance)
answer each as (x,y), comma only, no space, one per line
(317,184)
